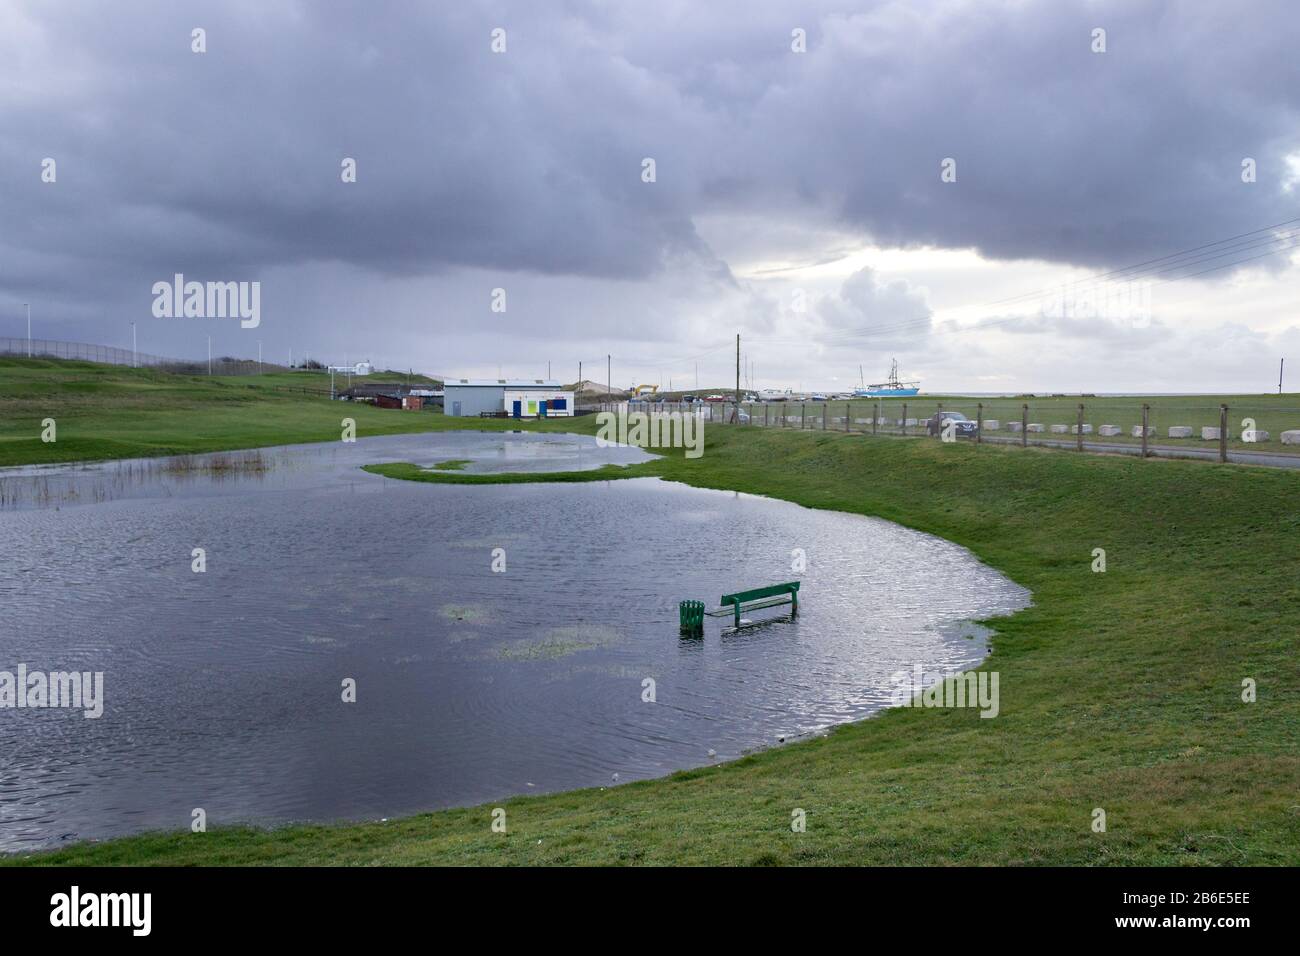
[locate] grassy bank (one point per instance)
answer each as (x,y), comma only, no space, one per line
(1120,690)
(105,411)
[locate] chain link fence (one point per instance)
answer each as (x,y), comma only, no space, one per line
(110,355)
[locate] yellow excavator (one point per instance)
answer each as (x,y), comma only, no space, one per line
(640,390)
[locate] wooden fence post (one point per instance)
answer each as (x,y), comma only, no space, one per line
(1078,429)
(848,414)
(905,418)
(824,406)
(979,424)
(1146,415)
(1024,425)
(1223,433)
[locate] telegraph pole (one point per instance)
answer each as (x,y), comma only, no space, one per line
(609,376)
(1280,363)
(735,415)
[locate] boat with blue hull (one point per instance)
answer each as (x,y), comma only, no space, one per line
(893,388)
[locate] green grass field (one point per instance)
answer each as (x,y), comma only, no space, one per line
(104,411)
(1120,691)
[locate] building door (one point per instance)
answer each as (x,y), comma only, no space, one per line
(455,408)
(518,409)
(541,409)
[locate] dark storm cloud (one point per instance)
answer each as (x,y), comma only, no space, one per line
(226,164)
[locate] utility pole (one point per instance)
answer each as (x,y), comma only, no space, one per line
(135,363)
(1280,364)
(736,416)
(579,385)
(609,376)
(209,355)
(548,371)
(259,356)
(29,328)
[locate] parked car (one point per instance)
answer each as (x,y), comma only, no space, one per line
(963,427)
(818,397)
(715,398)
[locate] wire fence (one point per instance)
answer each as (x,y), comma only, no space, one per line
(1247,429)
(111,355)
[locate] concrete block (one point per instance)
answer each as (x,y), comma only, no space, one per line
(1056,429)
(882,421)
(909,422)
(1210,434)
(1074,429)
(1110,431)
(1180,431)
(1014,426)
(1291,437)
(991,424)
(1258,436)
(1151,431)
(1034,427)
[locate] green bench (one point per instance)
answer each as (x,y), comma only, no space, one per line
(773,595)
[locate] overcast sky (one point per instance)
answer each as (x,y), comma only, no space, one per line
(798,198)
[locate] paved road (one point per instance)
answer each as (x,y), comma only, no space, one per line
(1270,459)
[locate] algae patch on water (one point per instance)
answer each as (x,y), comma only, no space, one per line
(464,613)
(559,642)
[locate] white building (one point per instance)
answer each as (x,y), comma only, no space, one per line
(519,398)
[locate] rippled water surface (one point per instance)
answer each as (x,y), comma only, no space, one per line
(223,688)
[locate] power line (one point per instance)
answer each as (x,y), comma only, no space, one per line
(1288,241)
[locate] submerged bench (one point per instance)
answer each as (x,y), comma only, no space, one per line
(773,595)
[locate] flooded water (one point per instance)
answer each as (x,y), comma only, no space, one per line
(222,689)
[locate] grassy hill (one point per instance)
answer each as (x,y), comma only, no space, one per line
(107,411)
